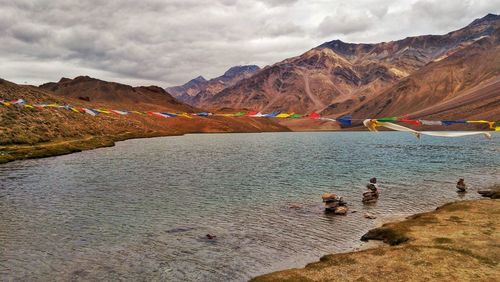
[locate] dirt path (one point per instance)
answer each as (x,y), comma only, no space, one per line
(318,104)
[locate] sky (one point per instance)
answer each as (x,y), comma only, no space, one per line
(168,42)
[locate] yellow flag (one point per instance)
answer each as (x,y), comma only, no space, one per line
(371,124)
(490,123)
(103,111)
(283,115)
(186,115)
(478,121)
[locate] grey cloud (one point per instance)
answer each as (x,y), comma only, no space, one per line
(344,24)
(274,3)
(170,42)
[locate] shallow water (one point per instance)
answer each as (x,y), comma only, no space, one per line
(140,210)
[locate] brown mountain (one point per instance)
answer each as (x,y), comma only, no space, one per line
(465,84)
(198,90)
(188,89)
(29,133)
(337,77)
(116,95)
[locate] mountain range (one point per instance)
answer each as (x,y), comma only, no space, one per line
(199,90)
(450,75)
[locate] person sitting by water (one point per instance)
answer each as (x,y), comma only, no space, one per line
(461,185)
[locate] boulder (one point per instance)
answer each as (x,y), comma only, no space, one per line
(370,216)
(328,196)
(341,210)
(331,205)
(493,193)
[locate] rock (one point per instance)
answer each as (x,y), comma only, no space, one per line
(331,205)
(493,193)
(370,216)
(370,197)
(341,210)
(295,206)
(328,196)
(369,201)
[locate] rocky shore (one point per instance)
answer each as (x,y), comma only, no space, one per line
(458,241)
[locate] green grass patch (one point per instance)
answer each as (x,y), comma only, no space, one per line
(442,240)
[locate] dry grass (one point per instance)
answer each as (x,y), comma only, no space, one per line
(457,242)
(35,133)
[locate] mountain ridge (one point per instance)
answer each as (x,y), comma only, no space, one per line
(197,90)
(335,77)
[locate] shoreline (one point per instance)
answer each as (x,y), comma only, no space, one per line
(9,153)
(423,246)
(14,152)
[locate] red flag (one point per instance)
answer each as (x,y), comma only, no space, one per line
(407,120)
(314,115)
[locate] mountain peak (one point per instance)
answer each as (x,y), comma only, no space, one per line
(198,79)
(486,19)
(237,70)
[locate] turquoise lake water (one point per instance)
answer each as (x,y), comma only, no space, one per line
(140,210)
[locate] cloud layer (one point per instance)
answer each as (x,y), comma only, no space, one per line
(167,42)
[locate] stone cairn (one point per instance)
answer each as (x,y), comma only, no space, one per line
(334,204)
(370,196)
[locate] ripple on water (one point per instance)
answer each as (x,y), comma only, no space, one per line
(141,210)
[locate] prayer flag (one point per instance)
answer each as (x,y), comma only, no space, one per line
(386,119)
(345,120)
(314,115)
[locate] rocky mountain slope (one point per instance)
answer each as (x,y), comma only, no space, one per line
(198,90)
(39,132)
(91,91)
(337,77)
(465,84)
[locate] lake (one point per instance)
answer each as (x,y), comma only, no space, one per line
(141,210)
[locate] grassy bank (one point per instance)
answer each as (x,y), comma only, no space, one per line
(457,242)
(26,134)
(60,147)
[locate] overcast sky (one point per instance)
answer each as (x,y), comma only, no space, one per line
(167,42)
